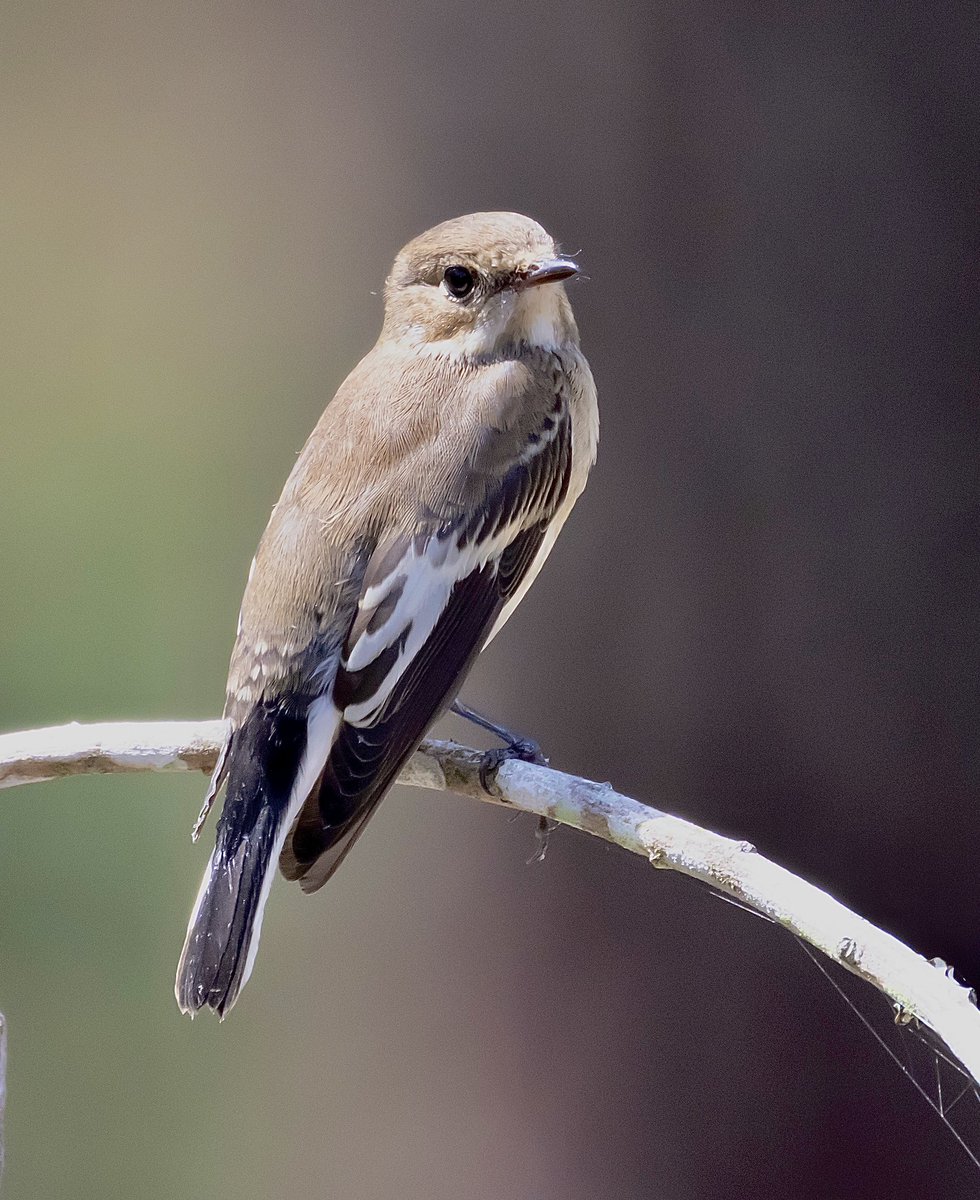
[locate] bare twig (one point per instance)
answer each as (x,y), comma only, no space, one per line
(918,988)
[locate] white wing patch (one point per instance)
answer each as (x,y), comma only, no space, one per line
(426,576)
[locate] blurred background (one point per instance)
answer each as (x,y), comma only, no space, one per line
(763,615)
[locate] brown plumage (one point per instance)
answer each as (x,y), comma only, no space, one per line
(415,518)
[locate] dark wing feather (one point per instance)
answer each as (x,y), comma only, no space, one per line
(366,757)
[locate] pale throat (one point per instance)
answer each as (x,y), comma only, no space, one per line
(537,317)
(541,317)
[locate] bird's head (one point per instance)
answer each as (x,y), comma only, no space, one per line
(481,286)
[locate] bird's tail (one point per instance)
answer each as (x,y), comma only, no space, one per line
(273,762)
(223,933)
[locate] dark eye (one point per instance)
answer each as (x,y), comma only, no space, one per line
(459,281)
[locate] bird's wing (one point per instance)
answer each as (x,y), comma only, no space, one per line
(429,598)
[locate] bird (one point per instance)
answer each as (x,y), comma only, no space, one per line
(415,519)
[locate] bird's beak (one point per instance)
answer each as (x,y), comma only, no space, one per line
(551,271)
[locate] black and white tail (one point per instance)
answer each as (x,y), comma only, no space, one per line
(224,928)
(273,762)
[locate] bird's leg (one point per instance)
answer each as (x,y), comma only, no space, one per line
(519,747)
(515,746)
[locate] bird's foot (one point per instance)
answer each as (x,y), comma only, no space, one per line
(521,749)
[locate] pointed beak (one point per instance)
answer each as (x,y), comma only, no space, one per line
(551,271)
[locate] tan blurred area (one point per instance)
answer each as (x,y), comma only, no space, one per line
(763,614)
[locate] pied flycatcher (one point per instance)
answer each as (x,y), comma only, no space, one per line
(415,519)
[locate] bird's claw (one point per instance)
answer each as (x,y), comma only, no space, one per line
(521,749)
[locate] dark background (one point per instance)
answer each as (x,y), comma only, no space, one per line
(763,615)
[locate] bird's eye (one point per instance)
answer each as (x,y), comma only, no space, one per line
(459,281)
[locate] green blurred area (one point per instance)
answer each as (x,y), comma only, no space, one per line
(199,211)
(164,358)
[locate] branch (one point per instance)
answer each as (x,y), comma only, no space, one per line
(918,988)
